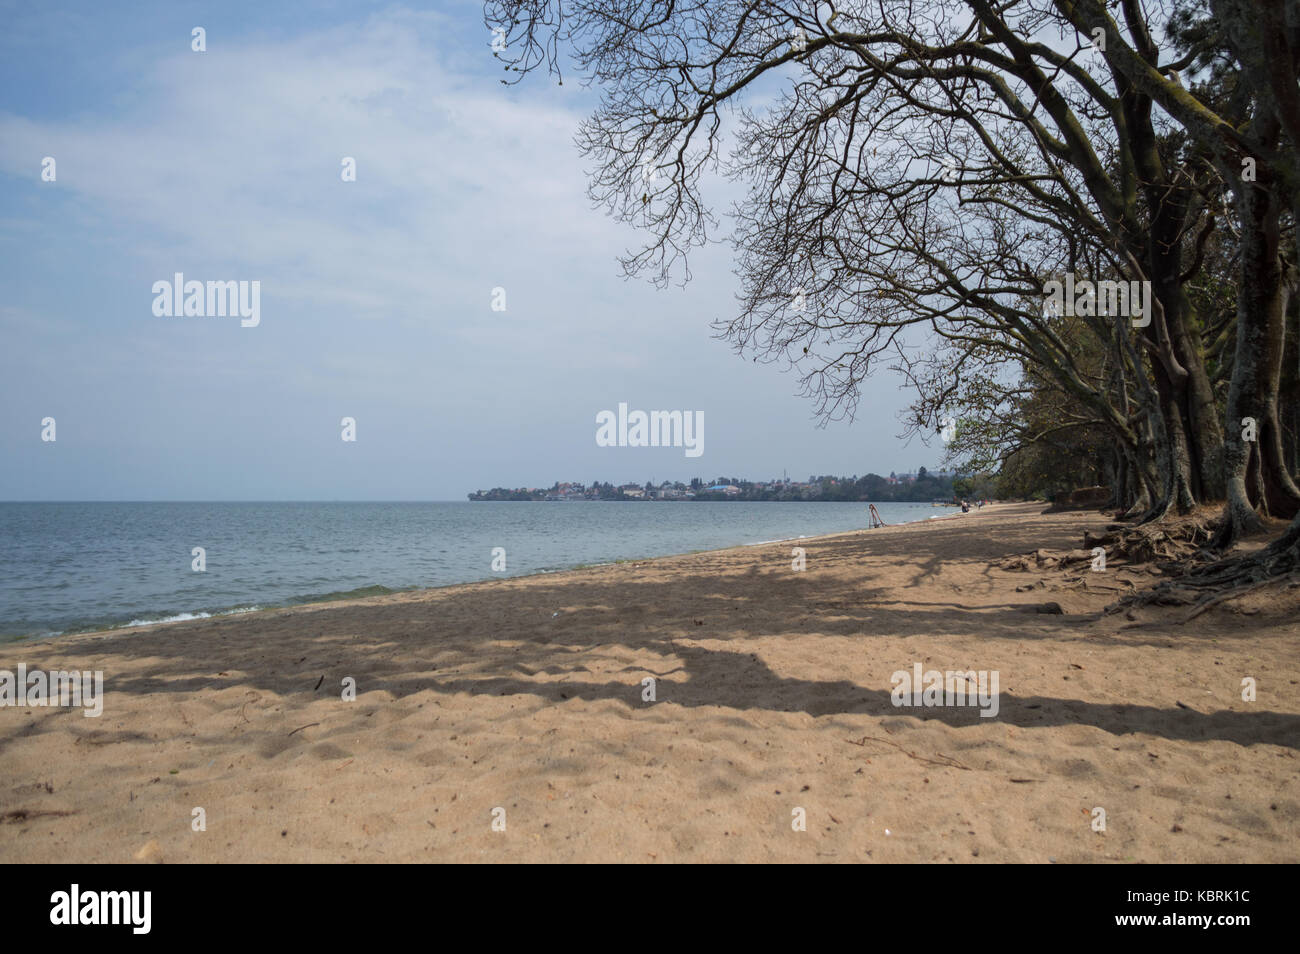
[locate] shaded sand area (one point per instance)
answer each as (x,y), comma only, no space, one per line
(773,693)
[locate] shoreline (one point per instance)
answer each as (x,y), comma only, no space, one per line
(394,728)
(189,616)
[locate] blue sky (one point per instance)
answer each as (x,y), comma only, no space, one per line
(375,294)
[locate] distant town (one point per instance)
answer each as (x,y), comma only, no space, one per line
(921,487)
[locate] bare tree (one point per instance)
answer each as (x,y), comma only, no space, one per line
(1250,140)
(918,171)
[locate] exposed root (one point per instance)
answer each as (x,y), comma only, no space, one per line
(1183,550)
(1047,559)
(1206,586)
(1167,543)
(1213,601)
(1152,543)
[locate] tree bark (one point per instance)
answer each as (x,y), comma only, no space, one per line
(1252,394)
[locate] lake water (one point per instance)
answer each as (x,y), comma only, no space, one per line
(67,567)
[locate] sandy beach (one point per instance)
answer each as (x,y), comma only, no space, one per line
(772,694)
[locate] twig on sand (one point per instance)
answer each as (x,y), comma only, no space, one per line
(25,814)
(949,761)
(307,726)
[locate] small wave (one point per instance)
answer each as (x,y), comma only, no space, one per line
(183,617)
(361,592)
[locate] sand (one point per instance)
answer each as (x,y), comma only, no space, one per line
(773,694)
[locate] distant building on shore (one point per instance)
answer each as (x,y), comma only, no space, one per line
(921,486)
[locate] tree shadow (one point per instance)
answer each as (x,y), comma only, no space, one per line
(558,629)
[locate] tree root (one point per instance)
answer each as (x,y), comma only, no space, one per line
(1183,550)
(1204,587)
(1163,544)
(1207,604)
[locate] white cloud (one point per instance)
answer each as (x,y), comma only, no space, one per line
(232,158)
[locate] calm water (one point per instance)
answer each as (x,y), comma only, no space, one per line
(76,566)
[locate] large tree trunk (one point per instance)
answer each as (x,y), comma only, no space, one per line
(1264,39)
(1143,457)
(1186,397)
(1177,473)
(1119,472)
(1181,350)
(1281,495)
(1252,394)
(1288,395)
